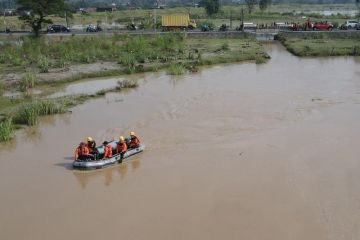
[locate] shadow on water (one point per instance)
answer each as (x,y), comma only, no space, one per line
(109,173)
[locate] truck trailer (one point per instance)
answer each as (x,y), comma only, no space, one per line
(173,22)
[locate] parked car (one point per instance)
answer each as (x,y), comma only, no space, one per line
(206,27)
(323,26)
(358,26)
(57,28)
(350,24)
(131,27)
(93,28)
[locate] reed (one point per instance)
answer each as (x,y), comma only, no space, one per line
(176,69)
(27,82)
(6,130)
(29,113)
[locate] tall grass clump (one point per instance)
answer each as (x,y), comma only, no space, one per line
(6,130)
(260,60)
(29,113)
(27,82)
(2,89)
(176,69)
(43,63)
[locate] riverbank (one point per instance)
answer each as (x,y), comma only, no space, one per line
(321,44)
(34,69)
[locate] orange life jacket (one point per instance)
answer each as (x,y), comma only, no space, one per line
(82,151)
(134,142)
(107,151)
(121,147)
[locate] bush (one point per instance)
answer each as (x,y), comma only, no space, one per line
(6,130)
(27,82)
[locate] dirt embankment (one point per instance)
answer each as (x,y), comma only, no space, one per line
(61,74)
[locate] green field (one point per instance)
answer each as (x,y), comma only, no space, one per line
(321,44)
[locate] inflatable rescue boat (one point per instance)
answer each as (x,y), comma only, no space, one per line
(90,164)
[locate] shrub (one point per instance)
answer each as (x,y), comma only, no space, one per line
(6,130)
(28,81)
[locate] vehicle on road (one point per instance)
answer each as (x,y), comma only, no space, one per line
(57,28)
(249,25)
(131,27)
(223,28)
(173,22)
(206,27)
(93,28)
(322,26)
(350,24)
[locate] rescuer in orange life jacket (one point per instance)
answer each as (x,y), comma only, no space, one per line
(107,150)
(121,147)
(82,152)
(134,141)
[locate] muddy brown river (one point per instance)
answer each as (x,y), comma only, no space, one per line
(238,151)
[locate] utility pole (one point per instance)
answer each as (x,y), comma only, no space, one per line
(154,20)
(242,19)
(230,18)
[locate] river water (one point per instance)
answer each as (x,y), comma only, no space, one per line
(238,151)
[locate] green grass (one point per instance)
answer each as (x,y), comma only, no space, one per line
(322,45)
(6,130)
(2,89)
(29,113)
(176,69)
(27,82)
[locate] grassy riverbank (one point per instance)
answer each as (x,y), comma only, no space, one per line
(27,61)
(29,65)
(321,44)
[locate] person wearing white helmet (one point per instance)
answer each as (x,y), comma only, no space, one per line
(134,141)
(121,147)
(91,144)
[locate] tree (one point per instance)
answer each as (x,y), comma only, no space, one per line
(263,4)
(40,10)
(357,3)
(250,5)
(211,6)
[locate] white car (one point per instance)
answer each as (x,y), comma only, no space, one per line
(351,24)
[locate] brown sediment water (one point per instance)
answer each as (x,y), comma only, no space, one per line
(238,151)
